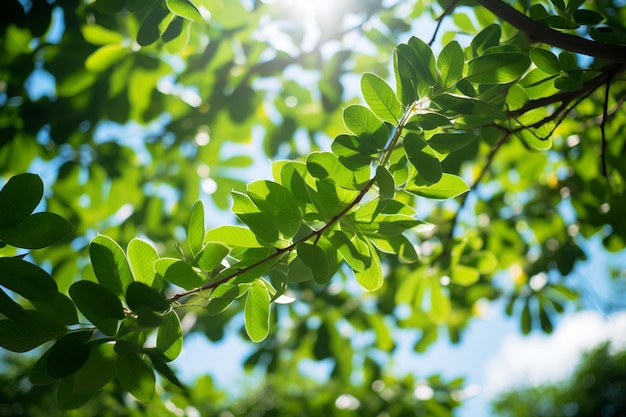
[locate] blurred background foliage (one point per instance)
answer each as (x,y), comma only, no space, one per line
(130,113)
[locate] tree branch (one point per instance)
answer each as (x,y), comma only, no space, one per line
(537,32)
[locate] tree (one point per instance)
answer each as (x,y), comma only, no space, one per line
(593,390)
(121,252)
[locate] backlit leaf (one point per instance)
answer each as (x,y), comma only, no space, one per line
(30,331)
(110,264)
(97,371)
(142,256)
(257,312)
(497,68)
(417,150)
(182,274)
(380,98)
(211,255)
(450,63)
(371,278)
(314,257)
(195,228)
(170,336)
(449,186)
(184,8)
(105,56)
(385,182)
(136,376)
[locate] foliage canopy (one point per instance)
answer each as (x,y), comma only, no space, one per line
(145,133)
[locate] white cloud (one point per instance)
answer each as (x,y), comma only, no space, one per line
(538,359)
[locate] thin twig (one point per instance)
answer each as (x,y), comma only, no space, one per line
(445,13)
(605,116)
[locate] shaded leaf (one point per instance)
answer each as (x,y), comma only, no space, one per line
(27,280)
(68,354)
(99,305)
(139,294)
(18,198)
(497,68)
(110,264)
(136,376)
(37,231)
(170,336)
(30,331)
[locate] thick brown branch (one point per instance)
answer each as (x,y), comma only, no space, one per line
(537,32)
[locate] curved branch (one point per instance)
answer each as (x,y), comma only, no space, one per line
(537,32)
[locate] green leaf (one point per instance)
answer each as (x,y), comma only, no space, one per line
(464,275)
(149,30)
(385,182)
(142,256)
(485,39)
(450,63)
(440,305)
(67,399)
(371,278)
(39,374)
(449,186)
(9,308)
(545,60)
(60,309)
(233,236)
(136,376)
(180,273)
(275,200)
(223,296)
(97,371)
(362,122)
(195,229)
(99,35)
(18,198)
(27,280)
(68,354)
(425,64)
(354,251)
(498,67)
(381,98)
(139,294)
(170,336)
(99,305)
(445,143)
(314,257)
(110,264)
(211,255)
(421,157)
(30,331)
(37,231)
(159,361)
(105,56)
(324,165)
(184,8)
(257,311)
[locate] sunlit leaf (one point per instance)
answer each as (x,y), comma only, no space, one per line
(110,264)
(497,68)
(170,336)
(450,142)
(440,305)
(276,200)
(180,273)
(464,275)
(380,98)
(184,8)
(195,228)
(142,256)
(105,56)
(257,312)
(450,63)
(449,186)
(545,60)
(371,278)
(98,370)
(314,257)
(211,255)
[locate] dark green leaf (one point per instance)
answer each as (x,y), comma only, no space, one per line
(68,354)
(149,29)
(526,321)
(160,364)
(99,305)
(27,280)
(485,39)
(445,143)
(39,374)
(97,371)
(545,60)
(421,157)
(67,399)
(60,309)
(136,376)
(31,330)
(9,308)
(314,257)
(139,294)
(18,198)
(275,200)
(37,231)
(385,182)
